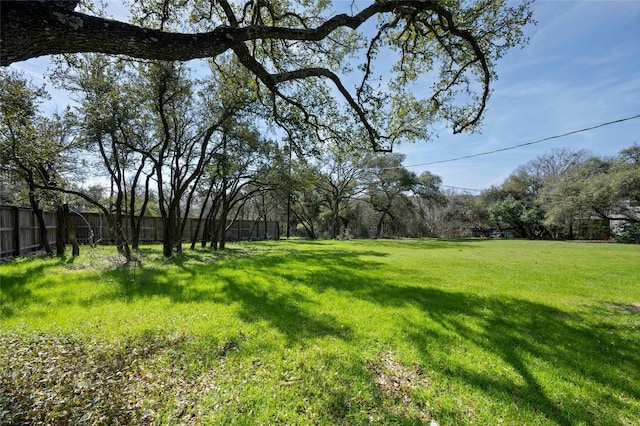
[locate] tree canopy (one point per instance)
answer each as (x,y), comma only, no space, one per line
(287,45)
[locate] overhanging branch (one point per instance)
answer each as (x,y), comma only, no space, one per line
(29,29)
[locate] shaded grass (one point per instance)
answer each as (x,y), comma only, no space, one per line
(477,331)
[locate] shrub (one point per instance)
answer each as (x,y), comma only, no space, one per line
(629,233)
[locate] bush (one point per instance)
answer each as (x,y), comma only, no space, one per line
(629,233)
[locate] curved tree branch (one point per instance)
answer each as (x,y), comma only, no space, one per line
(323,72)
(29,29)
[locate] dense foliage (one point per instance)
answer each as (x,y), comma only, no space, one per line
(182,138)
(562,195)
(261,131)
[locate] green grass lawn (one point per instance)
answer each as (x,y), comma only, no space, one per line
(333,332)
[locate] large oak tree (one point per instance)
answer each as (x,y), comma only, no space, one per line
(288,44)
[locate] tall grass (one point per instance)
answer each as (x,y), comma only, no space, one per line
(383,332)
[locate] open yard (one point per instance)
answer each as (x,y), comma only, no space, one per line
(335,332)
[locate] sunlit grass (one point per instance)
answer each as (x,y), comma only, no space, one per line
(464,332)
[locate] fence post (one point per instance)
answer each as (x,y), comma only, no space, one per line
(16,235)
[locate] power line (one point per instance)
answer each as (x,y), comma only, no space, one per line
(527,143)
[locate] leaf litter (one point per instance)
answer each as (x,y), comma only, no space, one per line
(399,381)
(48,379)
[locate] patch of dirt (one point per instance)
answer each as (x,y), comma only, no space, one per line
(392,376)
(634,307)
(398,380)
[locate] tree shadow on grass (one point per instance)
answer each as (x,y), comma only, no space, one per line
(290,313)
(15,293)
(571,347)
(267,288)
(597,355)
(581,347)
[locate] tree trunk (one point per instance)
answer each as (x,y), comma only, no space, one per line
(334,224)
(167,239)
(222,228)
(121,241)
(172,240)
(133,223)
(379,225)
(42,226)
(71,231)
(171,236)
(196,232)
(36,28)
(206,232)
(571,236)
(214,234)
(61,233)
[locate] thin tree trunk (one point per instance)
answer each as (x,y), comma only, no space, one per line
(71,232)
(223,224)
(200,217)
(61,233)
(42,226)
(214,234)
(379,225)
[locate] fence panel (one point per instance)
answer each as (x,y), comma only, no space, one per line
(9,217)
(20,233)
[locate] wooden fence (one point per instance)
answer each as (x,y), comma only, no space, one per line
(20,233)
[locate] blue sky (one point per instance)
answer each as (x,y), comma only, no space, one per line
(580,69)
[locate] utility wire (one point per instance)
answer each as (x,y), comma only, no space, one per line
(528,143)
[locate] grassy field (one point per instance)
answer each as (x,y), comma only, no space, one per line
(348,332)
